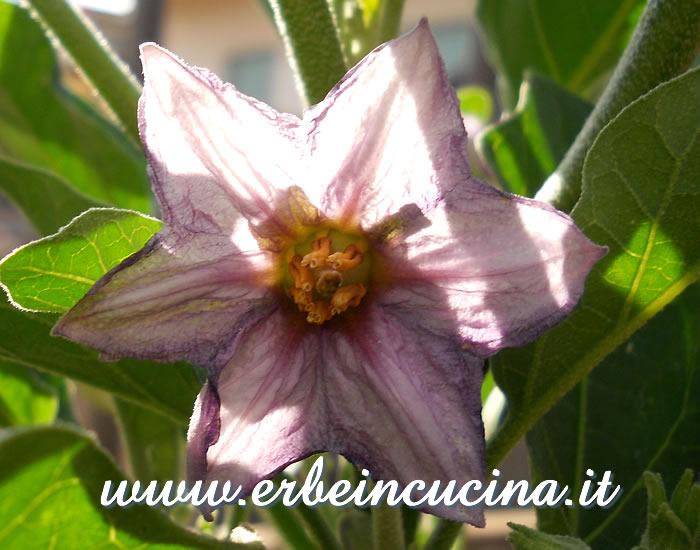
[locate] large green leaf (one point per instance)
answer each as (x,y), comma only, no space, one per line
(51,480)
(53,273)
(656,375)
(574,42)
(523,149)
(24,397)
(641,197)
(167,389)
(47,201)
(44,127)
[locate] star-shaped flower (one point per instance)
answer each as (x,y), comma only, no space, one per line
(340,276)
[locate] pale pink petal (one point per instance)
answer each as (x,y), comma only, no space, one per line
(406,403)
(388,135)
(496,269)
(174,299)
(381,390)
(271,405)
(214,153)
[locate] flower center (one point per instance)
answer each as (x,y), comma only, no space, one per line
(328,273)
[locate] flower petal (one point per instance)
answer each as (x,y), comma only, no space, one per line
(499,269)
(386,393)
(389,134)
(174,299)
(212,151)
(405,400)
(270,401)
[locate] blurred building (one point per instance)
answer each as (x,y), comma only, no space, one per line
(238,41)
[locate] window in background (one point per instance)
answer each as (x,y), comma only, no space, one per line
(253,74)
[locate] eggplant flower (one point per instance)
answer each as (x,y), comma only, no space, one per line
(340,276)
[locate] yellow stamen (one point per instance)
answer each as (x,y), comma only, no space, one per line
(302,275)
(321,282)
(346,260)
(320,249)
(319,313)
(347,296)
(302,299)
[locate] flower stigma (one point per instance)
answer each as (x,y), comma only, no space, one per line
(327,273)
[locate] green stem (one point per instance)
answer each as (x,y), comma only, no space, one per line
(286,521)
(239,515)
(319,528)
(411,519)
(312,45)
(90,51)
(387,527)
(153,443)
(663,45)
(317,525)
(444,535)
(390,20)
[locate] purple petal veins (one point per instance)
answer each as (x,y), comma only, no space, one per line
(459,270)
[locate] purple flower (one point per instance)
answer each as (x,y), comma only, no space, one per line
(341,276)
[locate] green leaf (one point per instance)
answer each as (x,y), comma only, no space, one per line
(155,444)
(641,197)
(109,75)
(167,389)
(312,45)
(24,397)
(674,525)
(662,47)
(47,200)
(475,101)
(575,43)
(524,538)
(51,480)
(53,273)
(43,126)
(656,374)
(526,146)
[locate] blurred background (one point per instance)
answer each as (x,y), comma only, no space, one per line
(237,40)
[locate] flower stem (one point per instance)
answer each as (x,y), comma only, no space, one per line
(286,521)
(663,45)
(319,528)
(387,527)
(444,535)
(90,51)
(317,525)
(390,20)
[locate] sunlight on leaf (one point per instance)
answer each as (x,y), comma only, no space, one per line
(53,273)
(24,397)
(641,172)
(50,490)
(475,101)
(654,374)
